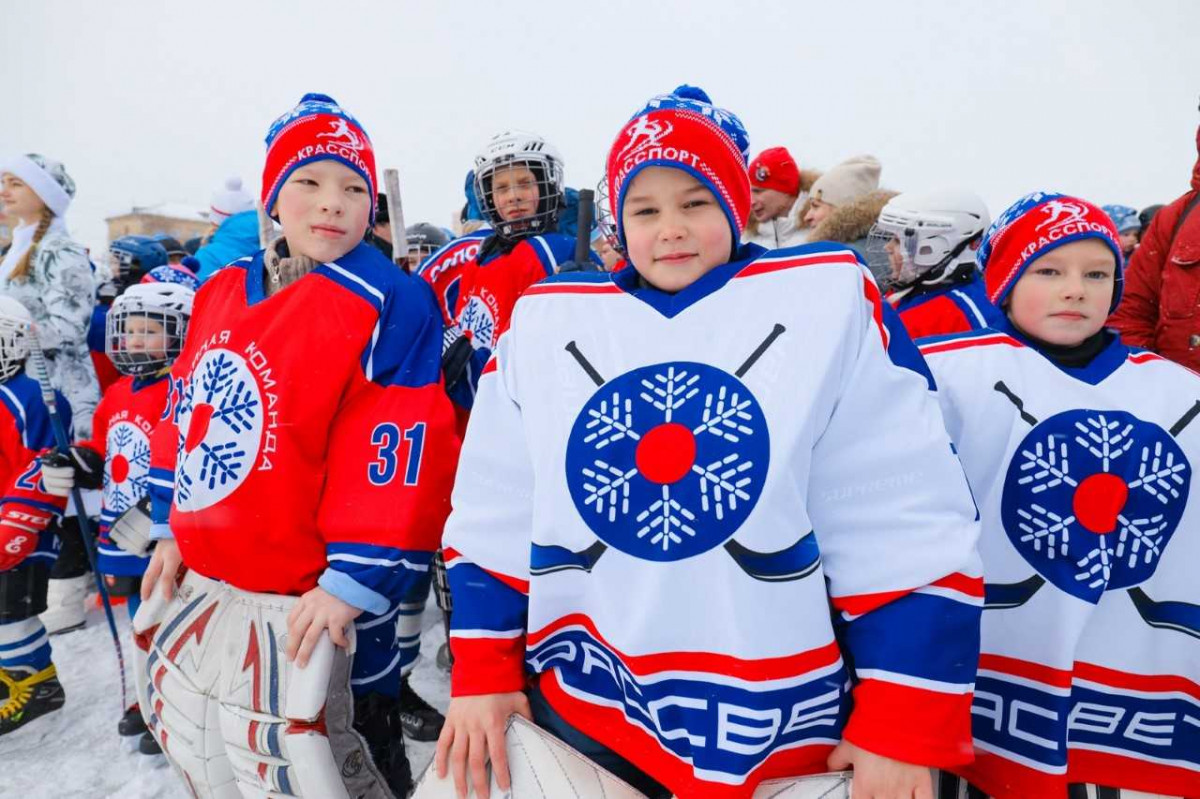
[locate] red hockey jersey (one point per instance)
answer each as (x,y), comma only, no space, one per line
(307,435)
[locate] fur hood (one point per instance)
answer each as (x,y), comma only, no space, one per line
(849,223)
(807,178)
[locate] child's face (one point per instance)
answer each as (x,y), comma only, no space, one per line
(324,208)
(145,335)
(818,210)
(675,231)
(1064,296)
(18,199)
(1129,242)
(515,192)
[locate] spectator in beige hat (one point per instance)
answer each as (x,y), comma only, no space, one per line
(845,202)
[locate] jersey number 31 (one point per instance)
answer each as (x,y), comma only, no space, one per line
(386,438)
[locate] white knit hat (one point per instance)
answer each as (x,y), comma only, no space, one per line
(229,201)
(47,177)
(848,181)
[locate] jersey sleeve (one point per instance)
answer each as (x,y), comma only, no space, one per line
(488,538)
(897,528)
(391,458)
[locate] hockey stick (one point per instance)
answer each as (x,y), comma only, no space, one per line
(391,185)
(1003,596)
(1015,400)
(583,235)
(42,375)
(550,559)
(573,348)
(775,333)
(266,228)
(794,563)
(1185,420)
(1182,617)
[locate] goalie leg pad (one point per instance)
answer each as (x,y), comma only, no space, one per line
(288,729)
(180,645)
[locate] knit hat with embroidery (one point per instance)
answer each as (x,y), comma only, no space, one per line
(48,179)
(774,168)
(684,130)
(229,200)
(316,129)
(849,180)
(1033,226)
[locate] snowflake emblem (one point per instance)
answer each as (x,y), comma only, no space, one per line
(1092,498)
(220,430)
(126,466)
(477,318)
(667,461)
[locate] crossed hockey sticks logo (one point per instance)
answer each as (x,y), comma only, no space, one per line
(791,563)
(1179,616)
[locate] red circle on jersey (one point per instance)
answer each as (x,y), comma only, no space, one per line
(198,426)
(120,468)
(1098,500)
(666,453)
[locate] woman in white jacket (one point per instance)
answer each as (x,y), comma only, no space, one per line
(49,273)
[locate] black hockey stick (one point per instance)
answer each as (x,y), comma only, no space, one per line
(550,559)
(775,333)
(42,375)
(1002,596)
(793,563)
(1015,400)
(1182,617)
(583,362)
(583,235)
(1185,420)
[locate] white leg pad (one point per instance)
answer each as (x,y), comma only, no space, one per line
(834,785)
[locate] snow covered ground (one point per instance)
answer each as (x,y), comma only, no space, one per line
(76,752)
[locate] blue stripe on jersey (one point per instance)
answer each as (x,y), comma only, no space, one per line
(896,638)
(22,396)
(901,349)
(481,602)
(387,572)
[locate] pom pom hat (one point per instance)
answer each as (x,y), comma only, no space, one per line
(684,130)
(316,129)
(774,168)
(1033,226)
(48,179)
(229,200)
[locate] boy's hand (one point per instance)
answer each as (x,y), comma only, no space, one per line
(879,777)
(163,570)
(473,733)
(316,611)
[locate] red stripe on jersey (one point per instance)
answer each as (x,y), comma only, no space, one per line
(873,295)
(777,668)
(963,583)
(859,604)
(610,727)
(1145,357)
(1104,768)
(489,367)
(765,265)
(1152,683)
(1047,675)
(452,556)
(911,724)
(487,665)
(573,288)
(978,341)
(1001,778)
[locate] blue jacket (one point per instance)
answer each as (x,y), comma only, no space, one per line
(236,237)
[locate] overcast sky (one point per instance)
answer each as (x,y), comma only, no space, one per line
(159,102)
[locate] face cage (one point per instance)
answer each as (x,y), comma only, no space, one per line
(133,350)
(549,179)
(604,219)
(126,269)
(14,346)
(880,260)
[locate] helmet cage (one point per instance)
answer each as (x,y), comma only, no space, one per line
(14,345)
(905,249)
(132,334)
(548,177)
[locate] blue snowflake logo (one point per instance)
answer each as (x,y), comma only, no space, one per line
(220,430)
(126,466)
(1092,499)
(477,319)
(667,461)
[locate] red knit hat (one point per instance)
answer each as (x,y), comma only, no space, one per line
(774,168)
(316,129)
(684,130)
(1033,226)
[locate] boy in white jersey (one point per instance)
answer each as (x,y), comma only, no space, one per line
(687,422)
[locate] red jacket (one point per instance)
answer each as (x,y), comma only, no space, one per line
(1161,307)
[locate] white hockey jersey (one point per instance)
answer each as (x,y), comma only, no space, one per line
(659,495)
(1090,664)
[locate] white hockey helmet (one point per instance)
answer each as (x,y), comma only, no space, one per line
(520,148)
(136,321)
(919,233)
(15,324)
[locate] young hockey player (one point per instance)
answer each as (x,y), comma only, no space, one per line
(672,470)
(311,448)
(424,240)
(29,685)
(1080,453)
(928,242)
(146,327)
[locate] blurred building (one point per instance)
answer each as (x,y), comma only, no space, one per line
(175,219)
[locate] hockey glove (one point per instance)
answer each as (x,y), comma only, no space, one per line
(79,467)
(131,530)
(20,526)
(456,355)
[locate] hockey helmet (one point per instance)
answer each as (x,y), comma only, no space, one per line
(926,235)
(15,324)
(144,331)
(516,149)
(131,257)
